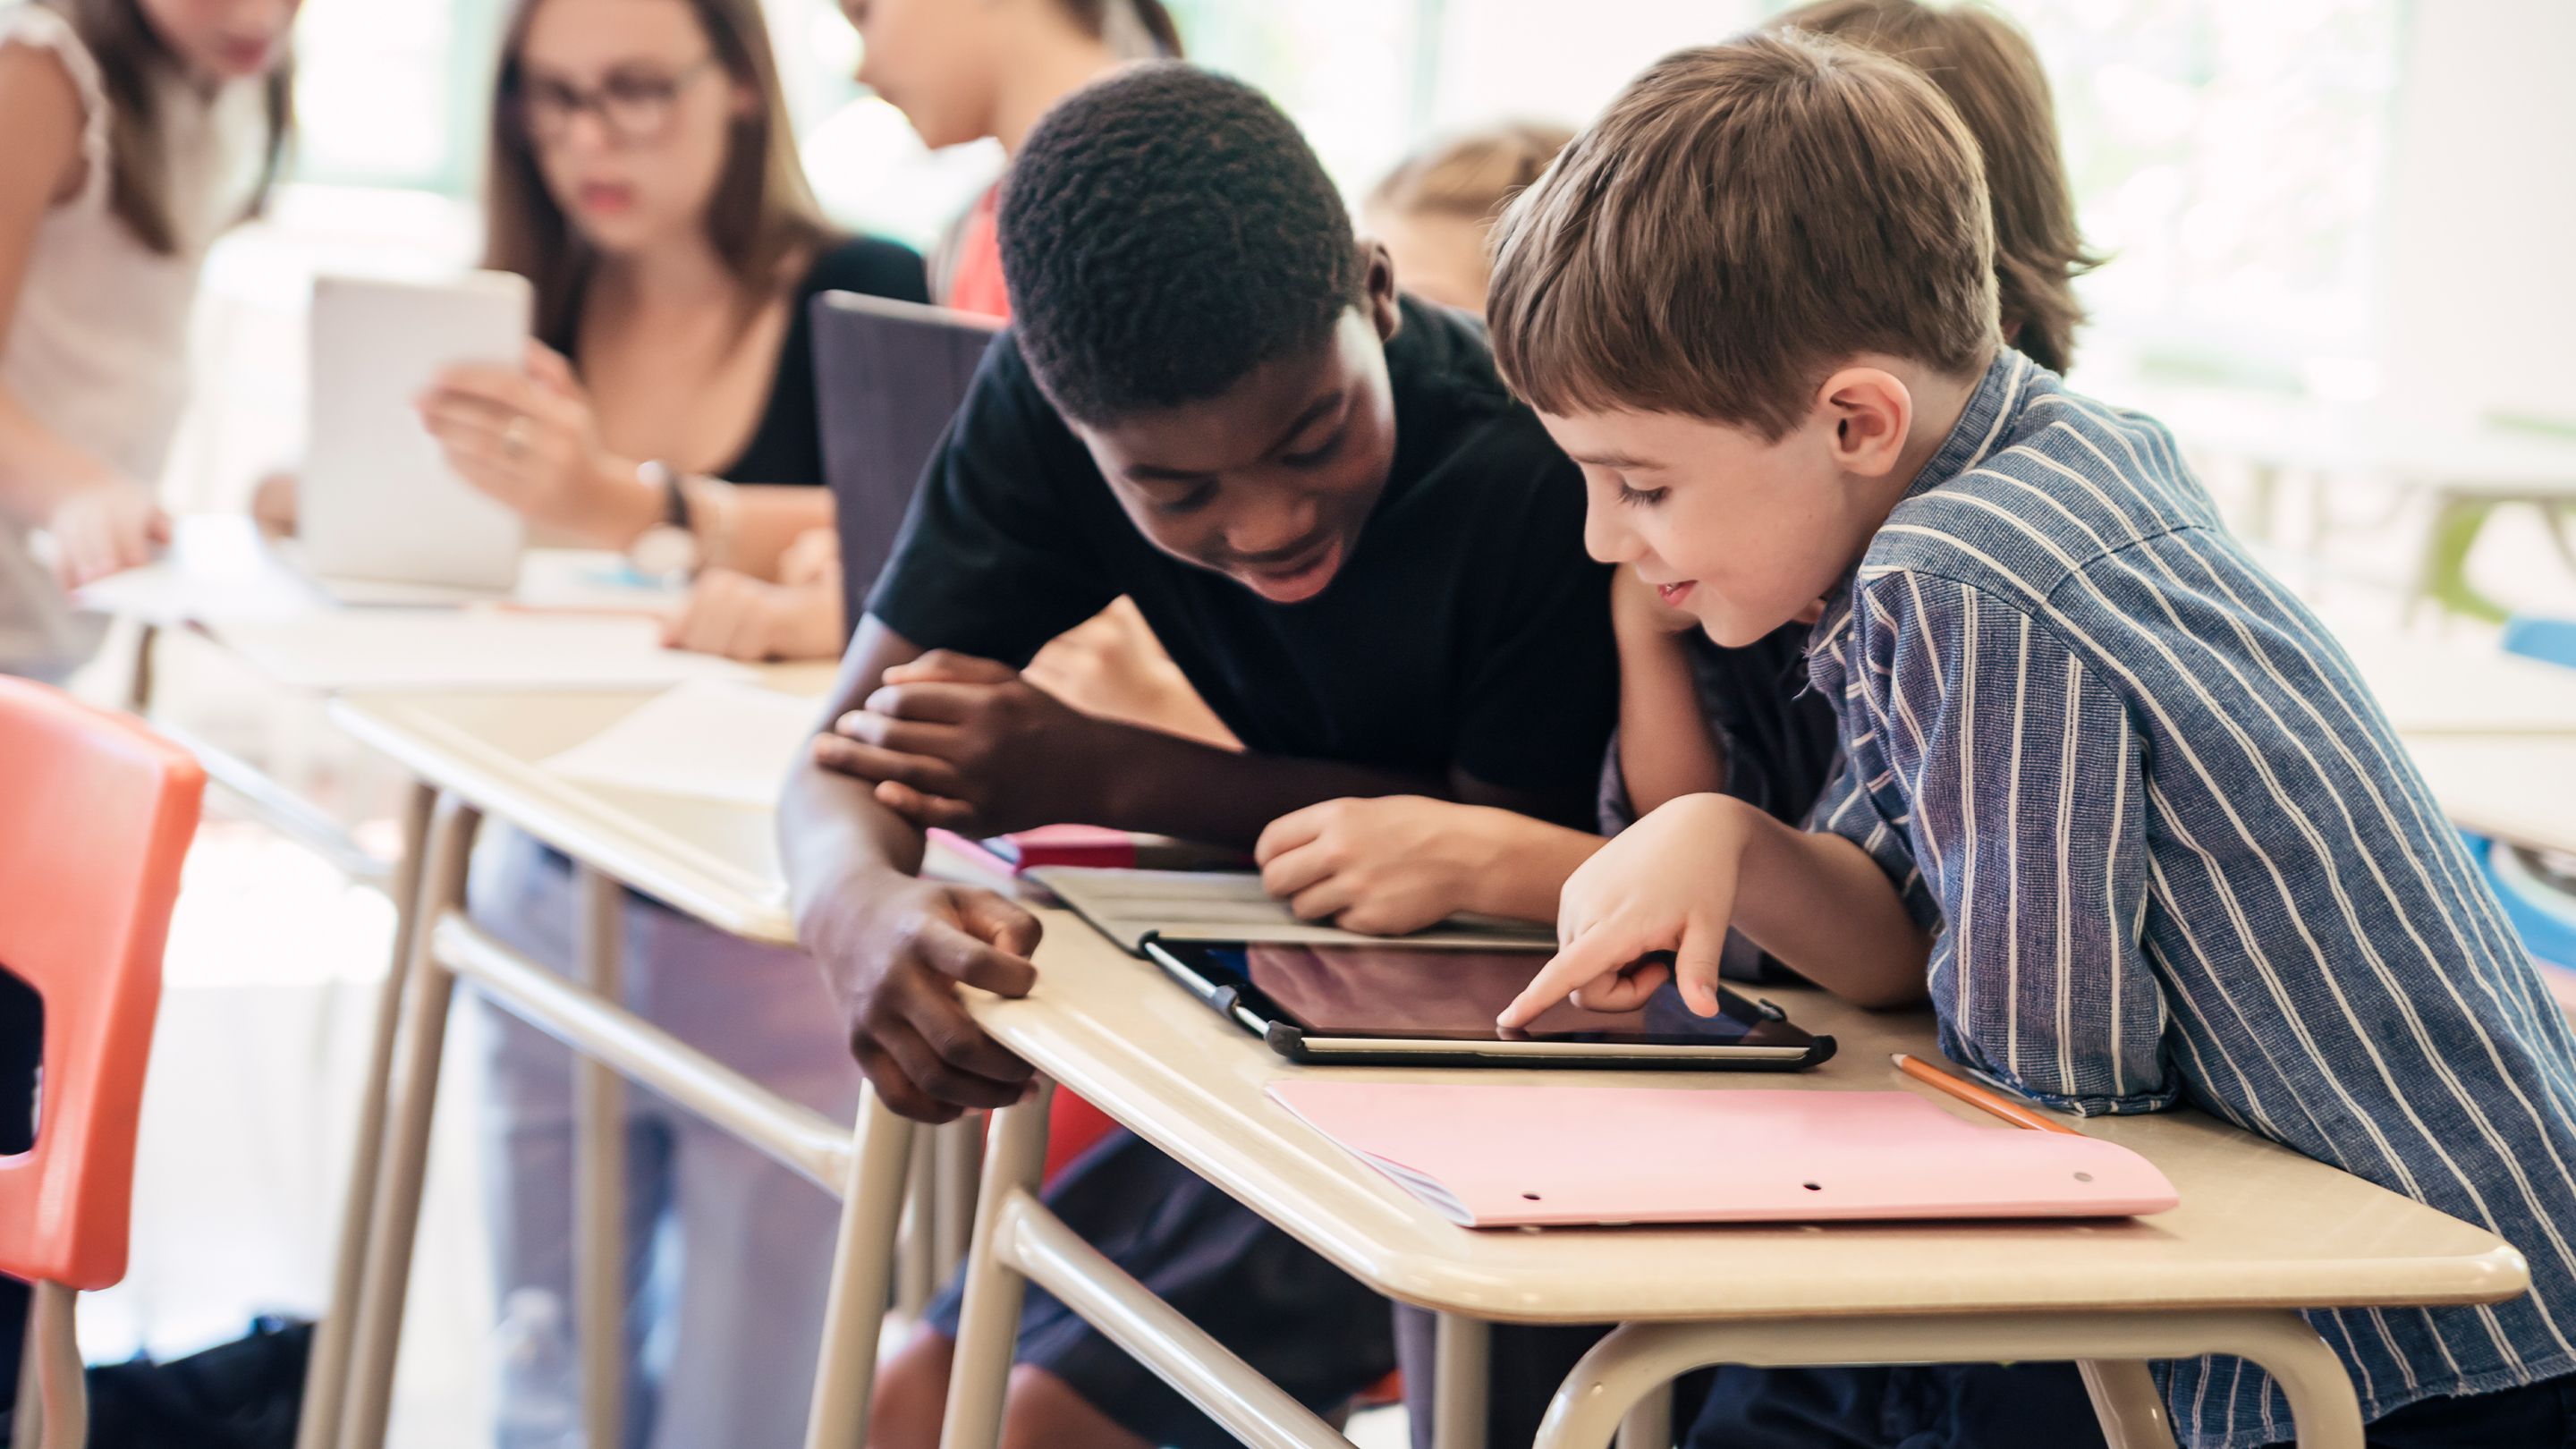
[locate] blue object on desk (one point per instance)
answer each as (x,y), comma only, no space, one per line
(2552,641)
(2544,914)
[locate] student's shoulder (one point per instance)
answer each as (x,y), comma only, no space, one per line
(49,98)
(2066,483)
(872,266)
(1457,421)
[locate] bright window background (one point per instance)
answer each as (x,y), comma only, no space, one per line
(2296,195)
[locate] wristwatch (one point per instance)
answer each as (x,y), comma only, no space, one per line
(669,549)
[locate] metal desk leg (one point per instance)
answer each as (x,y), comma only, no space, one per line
(862,1263)
(326,1373)
(396,1221)
(2124,1397)
(599,1174)
(914,1276)
(53,1338)
(958,1160)
(988,1325)
(1650,1424)
(27,1418)
(1462,1381)
(1636,1359)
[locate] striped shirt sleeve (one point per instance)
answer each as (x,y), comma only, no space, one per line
(2023,790)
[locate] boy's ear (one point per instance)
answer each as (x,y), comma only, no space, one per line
(1871,412)
(1383,313)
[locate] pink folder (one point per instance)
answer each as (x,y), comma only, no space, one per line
(1508,1156)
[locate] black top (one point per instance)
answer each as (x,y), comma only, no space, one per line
(787,444)
(1466,628)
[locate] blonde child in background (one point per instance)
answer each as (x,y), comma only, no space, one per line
(1434,208)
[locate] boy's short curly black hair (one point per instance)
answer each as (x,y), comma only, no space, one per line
(1165,231)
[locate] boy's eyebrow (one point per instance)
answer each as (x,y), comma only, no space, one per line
(1148,473)
(1620,461)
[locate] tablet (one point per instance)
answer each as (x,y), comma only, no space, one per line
(1391,1006)
(379,502)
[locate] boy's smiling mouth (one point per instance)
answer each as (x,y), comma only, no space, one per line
(1673,594)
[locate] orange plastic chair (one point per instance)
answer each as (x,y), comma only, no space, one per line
(96,813)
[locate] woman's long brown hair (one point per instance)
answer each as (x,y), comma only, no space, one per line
(1986,67)
(131,58)
(762,214)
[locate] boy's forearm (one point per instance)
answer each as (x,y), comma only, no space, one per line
(1665,750)
(1527,873)
(1821,905)
(835,840)
(1166,785)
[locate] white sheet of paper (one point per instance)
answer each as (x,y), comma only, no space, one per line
(707,740)
(407,649)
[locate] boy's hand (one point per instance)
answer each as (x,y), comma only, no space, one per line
(894,955)
(1665,884)
(967,744)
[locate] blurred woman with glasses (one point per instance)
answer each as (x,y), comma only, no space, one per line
(643,177)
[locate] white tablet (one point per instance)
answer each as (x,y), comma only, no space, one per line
(378,501)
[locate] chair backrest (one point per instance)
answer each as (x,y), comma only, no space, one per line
(888,376)
(96,813)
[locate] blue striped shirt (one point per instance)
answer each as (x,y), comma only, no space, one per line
(2173,852)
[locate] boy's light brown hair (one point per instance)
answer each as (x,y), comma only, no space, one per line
(1986,66)
(1473,175)
(1743,219)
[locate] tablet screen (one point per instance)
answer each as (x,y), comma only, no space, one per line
(1443,995)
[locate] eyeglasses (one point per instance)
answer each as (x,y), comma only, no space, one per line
(633,107)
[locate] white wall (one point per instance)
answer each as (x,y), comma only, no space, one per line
(1546,60)
(2479,271)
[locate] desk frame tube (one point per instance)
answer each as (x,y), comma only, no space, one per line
(317,1425)
(430,989)
(1642,1358)
(599,1170)
(1017,1241)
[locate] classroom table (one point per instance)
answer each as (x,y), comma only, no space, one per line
(483,754)
(2434,688)
(2260,1233)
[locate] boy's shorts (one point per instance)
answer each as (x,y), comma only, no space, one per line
(1929,1406)
(1295,1318)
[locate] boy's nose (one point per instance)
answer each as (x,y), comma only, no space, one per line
(1606,538)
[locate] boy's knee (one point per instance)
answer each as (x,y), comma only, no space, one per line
(1044,1412)
(912,1393)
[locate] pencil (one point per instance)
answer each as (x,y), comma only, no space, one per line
(1981,1098)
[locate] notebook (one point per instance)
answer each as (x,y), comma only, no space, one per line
(1515,1156)
(1222,905)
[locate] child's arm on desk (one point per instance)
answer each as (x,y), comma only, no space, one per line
(1676,880)
(1666,748)
(916,740)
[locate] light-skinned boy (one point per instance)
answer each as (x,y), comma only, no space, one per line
(2110,796)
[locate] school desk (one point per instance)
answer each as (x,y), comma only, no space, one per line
(482,755)
(2517,789)
(2456,466)
(2260,1233)
(2462,686)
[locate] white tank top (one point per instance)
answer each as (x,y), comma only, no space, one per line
(97,350)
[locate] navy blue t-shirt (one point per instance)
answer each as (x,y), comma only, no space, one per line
(1466,628)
